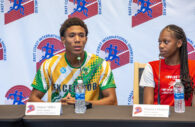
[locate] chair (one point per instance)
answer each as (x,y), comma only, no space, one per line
(138,91)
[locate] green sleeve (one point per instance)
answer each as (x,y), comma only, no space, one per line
(38,83)
(110,83)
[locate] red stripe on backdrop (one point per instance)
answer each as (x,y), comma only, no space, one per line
(92,11)
(1,52)
(20,88)
(143,17)
(15,15)
(115,42)
(155,1)
(191,51)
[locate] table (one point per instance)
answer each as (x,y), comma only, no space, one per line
(11,115)
(110,116)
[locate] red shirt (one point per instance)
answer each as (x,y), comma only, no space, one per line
(168,74)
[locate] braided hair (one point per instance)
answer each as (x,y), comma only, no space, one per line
(186,79)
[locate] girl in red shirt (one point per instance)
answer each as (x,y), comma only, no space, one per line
(174,65)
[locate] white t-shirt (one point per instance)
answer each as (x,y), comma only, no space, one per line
(147,79)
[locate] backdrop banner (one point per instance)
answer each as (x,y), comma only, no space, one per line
(120,31)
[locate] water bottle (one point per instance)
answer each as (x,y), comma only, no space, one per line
(80,97)
(179,97)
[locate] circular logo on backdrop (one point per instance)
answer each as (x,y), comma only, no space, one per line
(46,47)
(2,50)
(191,50)
(17,95)
(116,50)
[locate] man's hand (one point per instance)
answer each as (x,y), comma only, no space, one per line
(68,100)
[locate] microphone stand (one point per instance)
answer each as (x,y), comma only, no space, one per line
(79,59)
(159,79)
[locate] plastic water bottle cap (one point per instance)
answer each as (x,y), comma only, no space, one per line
(177,80)
(80,81)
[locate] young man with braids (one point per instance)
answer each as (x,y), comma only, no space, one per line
(61,72)
(174,65)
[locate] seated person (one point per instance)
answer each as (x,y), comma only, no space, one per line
(174,65)
(62,71)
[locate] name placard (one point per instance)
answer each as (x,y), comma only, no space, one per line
(43,108)
(145,110)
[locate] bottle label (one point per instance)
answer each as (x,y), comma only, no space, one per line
(179,95)
(80,96)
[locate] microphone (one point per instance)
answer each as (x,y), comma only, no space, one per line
(160,57)
(79,58)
